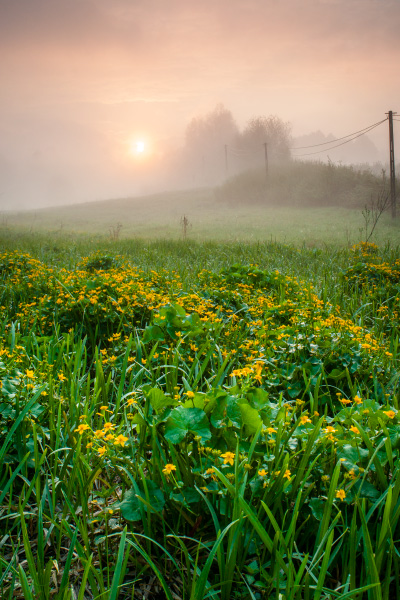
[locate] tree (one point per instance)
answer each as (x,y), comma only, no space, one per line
(205,141)
(260,130)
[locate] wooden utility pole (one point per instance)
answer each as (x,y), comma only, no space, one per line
(392,167)
(266,158)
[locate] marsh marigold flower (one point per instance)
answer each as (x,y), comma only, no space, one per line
(228,458)
(120,440)
(341,494)
(169,468)
(81,428)
(102,450)
(305,419)
(390,413)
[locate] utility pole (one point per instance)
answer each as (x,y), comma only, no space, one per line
(392,167)
(226,160)
(266,158)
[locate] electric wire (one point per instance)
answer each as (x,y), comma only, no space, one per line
(342,143)
(361,132)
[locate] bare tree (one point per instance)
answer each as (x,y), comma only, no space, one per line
(373,211)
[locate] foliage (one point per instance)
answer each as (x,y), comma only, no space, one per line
(233,434)
(304,184)
(265,130)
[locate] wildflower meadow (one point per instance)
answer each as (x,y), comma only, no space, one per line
(200,428)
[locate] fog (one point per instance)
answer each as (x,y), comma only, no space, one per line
(98,97)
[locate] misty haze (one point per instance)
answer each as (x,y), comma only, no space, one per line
(199,300)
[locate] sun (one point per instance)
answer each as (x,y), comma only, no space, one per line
(138,148)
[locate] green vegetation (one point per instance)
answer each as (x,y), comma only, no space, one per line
(302,184)
(300,203)
(187,420)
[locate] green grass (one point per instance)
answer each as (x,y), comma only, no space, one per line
(252,415)
(159,217)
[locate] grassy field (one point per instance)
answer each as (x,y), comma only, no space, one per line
(197,418)
(160,216)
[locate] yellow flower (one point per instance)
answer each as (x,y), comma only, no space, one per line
(99,433)
(131,401)
(190,394)
(329,429)
(341,494)
(228,458)
(262,473)
(81,428)
(354,429)
(169,468)
(357,400)
(120,440)
(271,430)
(61,377)
(344,401)
(390,413)
(305,419)
(30,374)
(102,450)
(287,474)
(108,426)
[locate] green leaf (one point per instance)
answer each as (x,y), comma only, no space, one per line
(186,420)
(365,489)
(317,507)
(250,418)
(159,400)
(131,506)
(186,496)
(153,333)
(233,411)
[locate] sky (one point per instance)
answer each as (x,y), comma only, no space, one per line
(88,84)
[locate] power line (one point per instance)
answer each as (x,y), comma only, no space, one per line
(361,131)
(342,143)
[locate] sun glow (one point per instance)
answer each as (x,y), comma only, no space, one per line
(139,148)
